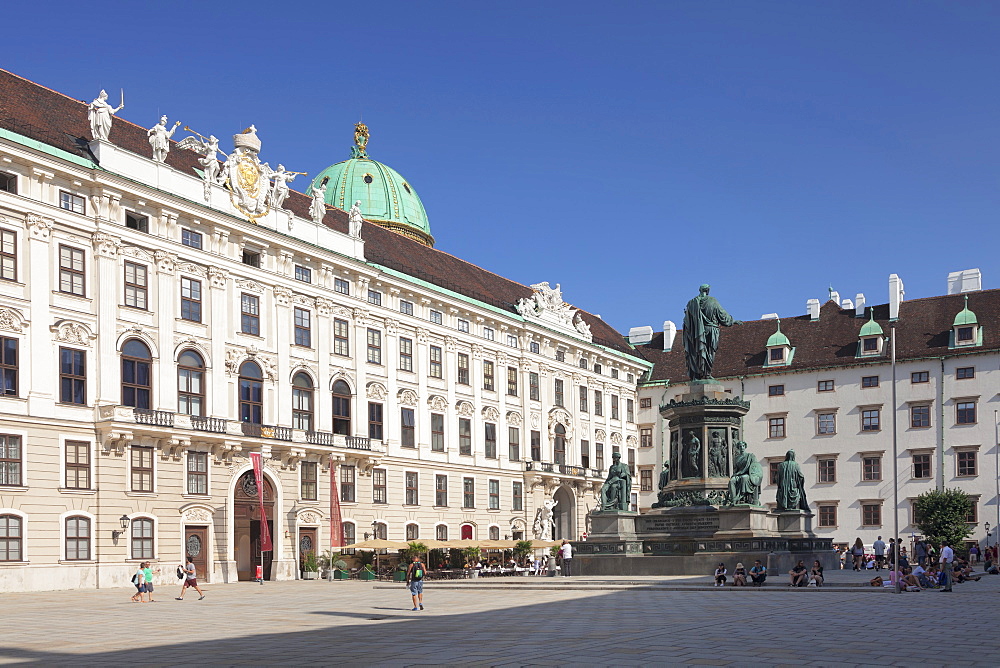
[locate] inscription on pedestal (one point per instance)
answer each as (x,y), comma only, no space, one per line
(680,523)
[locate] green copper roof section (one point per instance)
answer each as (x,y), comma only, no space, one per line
(872,328)
(778,339)
(965,316)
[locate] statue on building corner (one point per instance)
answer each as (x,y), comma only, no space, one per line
(99,113)
(791,485)
(159,138)
(354,220)
(616,494)
(703,316)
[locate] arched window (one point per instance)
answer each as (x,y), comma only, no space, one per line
(341,408)
(142,538)
(251,393)
(191,384)
(347,533)
(137,386)
(467,532)
(412,532)
(77,539)
(494,533)
(11,534)
(441,532)
(302,402)
(560,444)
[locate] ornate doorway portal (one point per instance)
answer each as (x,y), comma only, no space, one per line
(246,525)
(196,546)
(564,515)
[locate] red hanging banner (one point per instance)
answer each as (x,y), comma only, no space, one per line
(258,474)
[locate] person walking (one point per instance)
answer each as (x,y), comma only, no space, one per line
(920,552)
(879,547)
(858,552)
(149,573)
(566,552)
(947,565)
(415,582)
(190,579)
(139,580)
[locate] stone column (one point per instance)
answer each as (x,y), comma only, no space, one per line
(359,417)
(106,279)
(41,365)
(221,402)
(164,301)
(283,325)
(324,349)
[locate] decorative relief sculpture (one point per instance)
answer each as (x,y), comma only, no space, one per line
(99,113)
(40,228)
(791,485)
(233,358)
(407,397)
(437,403)
(692,455)
(159,138)
(465,409)
(308,517)
(246,177)
(197,516)
(282,295)
(491,414)
(718,463)
(354,220)
(74,333)
(514,418)
(744,485)
(546,305)
(617,489)
(702,318)
(376,391)
(166,261)
(11,320)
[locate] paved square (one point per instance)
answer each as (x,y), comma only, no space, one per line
(508,621)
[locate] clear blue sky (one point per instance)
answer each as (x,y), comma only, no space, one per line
(629,151)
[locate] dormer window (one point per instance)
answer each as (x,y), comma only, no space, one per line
(779,349)
(776,355)
(965,330)
(871,338)
(870,344)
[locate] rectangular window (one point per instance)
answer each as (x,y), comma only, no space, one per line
(463,325)
(463,369)
(8,367)
(8,184)
(646,480)
(871,514)
(8,255)
(468,493)
(631,461)
(967,462)
(584,394)
(645,402)
(374,346)
(488,333)
(599,456)
(920,377)
(464,436)
(560,355)
(135,221)
(72,202)
(374,421)
(870,344)
(341,286)
(251,258)
(190,299)
(375,297)
(441,491)
(405,307)
(341,338)
(11,536)
(72,277)
(922,465)
(380,492)
(488,378)
(191,239)
(412,488)
(511,381)
(72,376)
(775,390)
(534,347)
(629,410)
(536,446)
(136,283)
(142,469)
(77,465)
(869,381)
(348,532)
(614,406)
(437,432)
(517,496)
(491,440)
(533,391)
(585,454)
(406,354)
(250,314)
(436,362)
(827,470)
(494,487)
(964,334)
(10,460)
(598,403)
(407,437)
(772,469)
(827,516)
(614,372)
(197,472)
(303,328)
(871,468)
(77,539)
(965,372)
(826,423)
(825,386)
(303,274)
(920,417)
(348,489)
(777,354)
(436,317)
(559,395)
(871,419)
(645,437)
(776,427)
(514,443)
(965,412)
(512,341)
(309,481)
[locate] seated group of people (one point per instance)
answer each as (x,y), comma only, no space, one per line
(918,578)
(799,577)
(757,575)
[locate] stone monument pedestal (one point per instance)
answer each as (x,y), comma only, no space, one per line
(794,522)
(746,522)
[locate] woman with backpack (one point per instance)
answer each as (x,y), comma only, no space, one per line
(415,582)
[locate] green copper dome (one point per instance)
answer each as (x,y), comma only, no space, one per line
(778,339)
(387,199)
(965,316)
(872,328)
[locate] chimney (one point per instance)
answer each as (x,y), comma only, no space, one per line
(834,296)
(896,294)
(847,305)
(859,305)
(969,280)
(769,316)
(812,308)
(638,336)
(669,333)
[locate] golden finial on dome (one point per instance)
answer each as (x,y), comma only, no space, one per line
(359,150)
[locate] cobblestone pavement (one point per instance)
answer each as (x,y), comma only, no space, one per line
(573,623)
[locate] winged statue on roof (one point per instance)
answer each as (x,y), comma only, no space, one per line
(208,149)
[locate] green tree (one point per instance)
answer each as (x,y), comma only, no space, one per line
(522,549)
(941,516)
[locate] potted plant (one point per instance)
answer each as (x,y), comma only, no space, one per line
(310,567)
(522,549)
(366,573)
(340,571)
(472,556)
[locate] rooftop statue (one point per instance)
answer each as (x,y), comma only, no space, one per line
(355,220)
(159,139)
(318,207)
(744,485)
(99,112)
(279,191)
(360,148)
(207,148)
(617,490)
(702,318)
(791,485)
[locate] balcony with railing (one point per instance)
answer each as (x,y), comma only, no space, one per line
(209,424)
(157,418)
(563,469)
(266,431)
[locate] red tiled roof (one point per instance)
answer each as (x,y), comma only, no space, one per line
(923,329)
(60,121)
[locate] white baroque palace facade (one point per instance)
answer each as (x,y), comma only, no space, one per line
(821,384)
(158,324)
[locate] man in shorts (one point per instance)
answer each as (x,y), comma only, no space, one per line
(190,579)
(415,582)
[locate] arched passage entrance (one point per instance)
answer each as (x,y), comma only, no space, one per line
(246,525)
(564,515)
